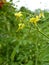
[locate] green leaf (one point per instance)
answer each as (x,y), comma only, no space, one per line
(30,63)
(15,51)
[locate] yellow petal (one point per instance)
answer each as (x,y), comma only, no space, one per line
(41,15)
(21,25)
(32,19)
(19,14)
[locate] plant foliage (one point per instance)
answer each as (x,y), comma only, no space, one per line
(28,46)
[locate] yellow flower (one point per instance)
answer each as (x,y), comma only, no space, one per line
(34,19)
(21,26)
(19,14)
(41,15)
(37,18)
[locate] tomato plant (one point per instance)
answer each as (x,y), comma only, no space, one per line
(24,36)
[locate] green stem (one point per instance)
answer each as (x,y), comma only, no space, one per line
(7,52)
(36,52)
(42,32)
(36,61)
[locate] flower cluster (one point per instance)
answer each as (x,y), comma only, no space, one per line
(37,18)
(32,19)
